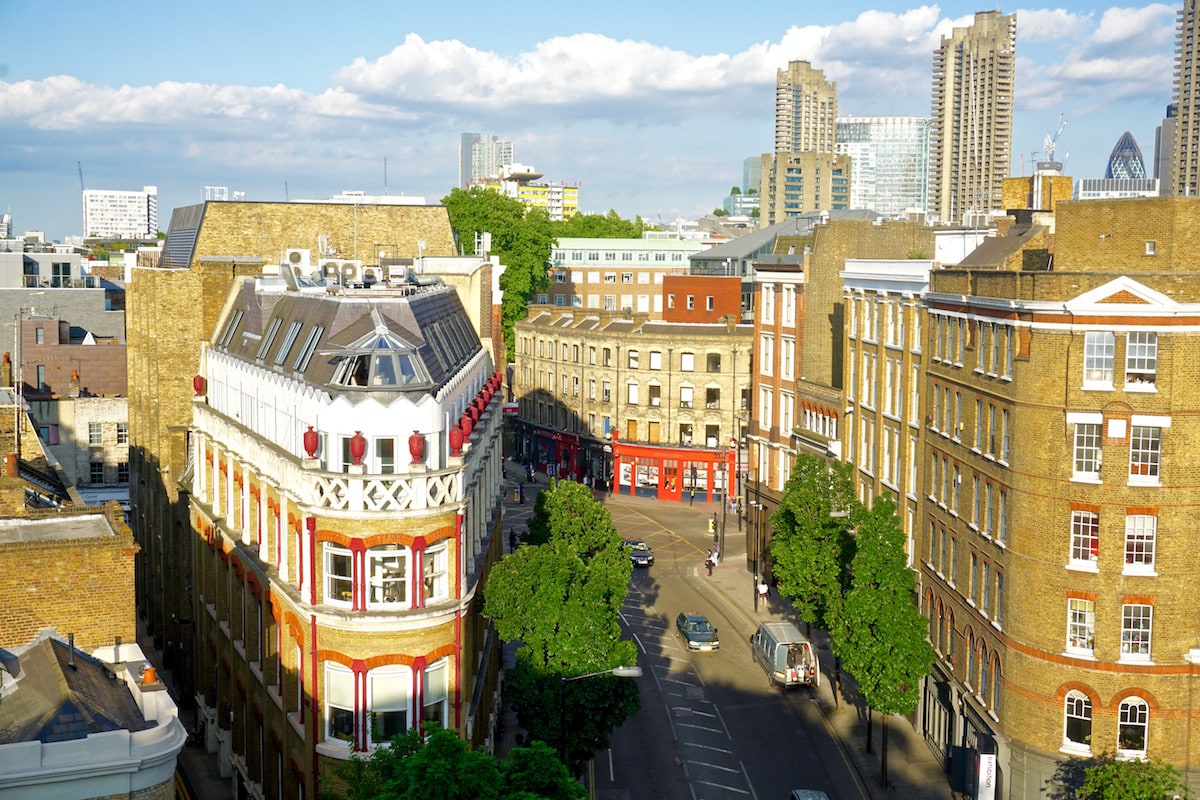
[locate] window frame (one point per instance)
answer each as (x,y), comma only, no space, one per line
(1081,627)
(1099,359)
(331,579)
(1137,631)
(1077,714)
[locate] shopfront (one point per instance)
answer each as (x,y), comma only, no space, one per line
(684,474)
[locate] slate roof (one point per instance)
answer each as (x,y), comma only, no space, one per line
(55,700)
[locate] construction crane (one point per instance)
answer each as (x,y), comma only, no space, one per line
(81,186)
(1052,139)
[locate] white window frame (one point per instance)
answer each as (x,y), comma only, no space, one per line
(687,362)
(1137,631)
(1085,540)
(339,696)
(1132,718)
(435,572)
(389,691)
(1145,453)
(1077,706)
(387,588)
(1086,449)
(1081,627)
(1099,359)
(436,692)
(1141,360)
(1141,533)
(334,581)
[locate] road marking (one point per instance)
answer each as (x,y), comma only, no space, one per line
(706,747)
(700,728)
(715,766)
(723,786)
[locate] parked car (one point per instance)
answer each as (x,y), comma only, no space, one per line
(807,794)
(640,554)
(697,631)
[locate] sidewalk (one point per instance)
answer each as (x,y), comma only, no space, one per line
(913,771)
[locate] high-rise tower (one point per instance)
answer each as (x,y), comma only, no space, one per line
(1184,177)
(970,134)
(1126,159)
(805,110)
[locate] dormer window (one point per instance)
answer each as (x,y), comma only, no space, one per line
(381,360)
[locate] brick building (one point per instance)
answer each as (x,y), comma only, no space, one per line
(302,597)
(649,405)
(615,274)
(1057,488)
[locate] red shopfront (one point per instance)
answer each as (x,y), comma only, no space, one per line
(684,474)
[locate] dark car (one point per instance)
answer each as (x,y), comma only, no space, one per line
(697,631)
(640,554)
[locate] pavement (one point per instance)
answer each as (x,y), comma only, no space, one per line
(912,769)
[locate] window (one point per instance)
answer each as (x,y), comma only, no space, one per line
(714,362)
(691,302)
(1140,530)
(1085,538)
(385,455)
(387,576)
(685,396)
(95,434)
(687,362)
(1081,625)
(1131,730)
(998,614)
(1145,450)
(339,575)
(1077,729)
(632,359)
(269,337)
(656,359)
(123,472)
(1087,449)
(96,472)
(1099,348)
(436,573)
(339,703)
(631,394)
(289,339)
(655,395)
(1135,631)
(434,707)
(709,303)
(388,690)
(1141,358)
(1151,247)
(122,433)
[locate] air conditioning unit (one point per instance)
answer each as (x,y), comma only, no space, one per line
(341,270)
(372,275)
(299,257)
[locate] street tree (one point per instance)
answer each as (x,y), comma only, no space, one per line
(437,765)
(599,226)
(522,240)
(811,544)
(1111,779)
(882,634)
(562,601)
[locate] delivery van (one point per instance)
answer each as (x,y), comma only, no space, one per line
(785,655)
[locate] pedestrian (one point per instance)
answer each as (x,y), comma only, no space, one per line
(709,563)
(763,591)
(692,497)
(512,539)
(521,493)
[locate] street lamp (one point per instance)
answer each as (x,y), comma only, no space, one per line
(620,672)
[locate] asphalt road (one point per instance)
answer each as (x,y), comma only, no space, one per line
(711,727)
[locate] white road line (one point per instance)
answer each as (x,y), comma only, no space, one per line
(698,727)
(711,765)
(724,786)
(706,747)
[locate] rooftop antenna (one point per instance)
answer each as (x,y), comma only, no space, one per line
(79,164)
(385,176)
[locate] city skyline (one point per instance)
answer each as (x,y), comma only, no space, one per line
(295,109)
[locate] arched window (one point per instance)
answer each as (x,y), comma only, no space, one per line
(950,636)
(972,658)
(940,637)
(983,672)
(996,684)
(1131,731)
(1078,715)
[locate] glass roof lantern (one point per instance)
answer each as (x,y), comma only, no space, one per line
(381,360)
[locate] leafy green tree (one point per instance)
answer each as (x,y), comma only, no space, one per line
(883,633)
(1110,779)
(441,766)
(811,546)
(562,601)
(521,239)
(720,212)
(735,190)
(599,226)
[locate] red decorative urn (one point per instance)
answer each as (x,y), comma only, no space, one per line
(311,440)
(416,447)
(467,424)
(198,385)
(358,446)
(456,440)
(474,412)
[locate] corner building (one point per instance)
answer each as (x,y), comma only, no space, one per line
(1058,494)
(344,522)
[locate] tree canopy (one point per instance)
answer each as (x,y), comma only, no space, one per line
(440,766)
(599,226)
(885,645)
(1110,779)
(811,547)
(562,601)
(521,239)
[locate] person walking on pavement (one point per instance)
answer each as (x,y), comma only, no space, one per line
(708,562)
(763,591)
(521,492)
(692,497)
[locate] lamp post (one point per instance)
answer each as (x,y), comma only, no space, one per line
(620,672)
(759,578)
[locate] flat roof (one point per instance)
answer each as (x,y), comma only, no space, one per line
(49,529)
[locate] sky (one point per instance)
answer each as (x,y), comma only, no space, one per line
(650,109)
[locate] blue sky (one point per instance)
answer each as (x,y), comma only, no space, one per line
(650,108)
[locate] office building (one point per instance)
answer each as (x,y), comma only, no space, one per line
(889,162)
(1184,178)
(1125,161)
(481,157)
(615,274)
(120,215)
(520,182)
(751,174)
(970,132)
(1056,495)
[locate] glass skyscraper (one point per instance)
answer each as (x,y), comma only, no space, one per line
(889,156)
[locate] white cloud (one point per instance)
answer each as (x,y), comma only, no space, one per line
(1050,25)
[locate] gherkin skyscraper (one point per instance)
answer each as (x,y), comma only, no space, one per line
(1126,159)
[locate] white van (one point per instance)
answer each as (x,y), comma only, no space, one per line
(785,655)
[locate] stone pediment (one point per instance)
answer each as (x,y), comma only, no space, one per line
(1123,293)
